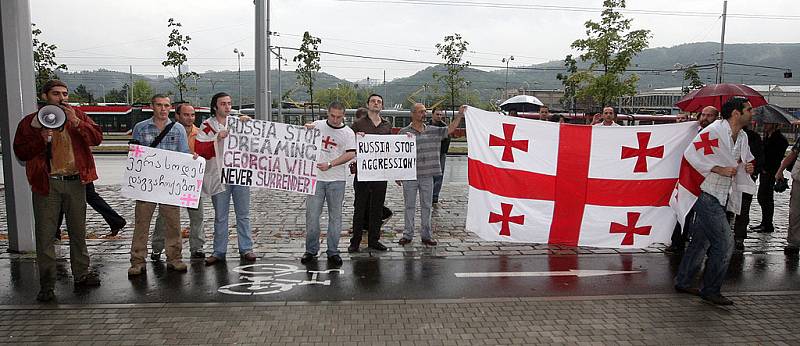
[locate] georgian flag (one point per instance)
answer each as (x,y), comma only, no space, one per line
(712,147)
(577,185)
(205,140)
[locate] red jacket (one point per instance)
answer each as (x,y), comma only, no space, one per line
(30,146)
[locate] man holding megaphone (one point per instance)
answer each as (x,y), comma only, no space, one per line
(55,145)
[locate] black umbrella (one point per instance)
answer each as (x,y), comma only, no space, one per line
(522,103)
(773,114)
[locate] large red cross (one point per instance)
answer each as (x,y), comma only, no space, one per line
(642,152)
(706,143)
(508,142)
(328,142)
(630,229)
(573,189)
(505,218)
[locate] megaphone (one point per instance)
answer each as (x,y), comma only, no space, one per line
(52,117)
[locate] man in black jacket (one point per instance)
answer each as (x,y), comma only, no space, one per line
(775,145)
(741,220)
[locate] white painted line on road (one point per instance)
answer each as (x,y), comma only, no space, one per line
(572,272)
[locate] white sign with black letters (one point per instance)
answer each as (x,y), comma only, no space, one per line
(163,176)
(386,157)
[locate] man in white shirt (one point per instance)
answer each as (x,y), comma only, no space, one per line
(608,118)
(338,148)
(711,232)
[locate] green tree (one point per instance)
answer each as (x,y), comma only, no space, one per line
(690,74)
(80,94)
(570,84)
(343,92)
(142,91)
(609,48)
(177,57)
(308,64)
(44,62)
(116,96)
(452,52)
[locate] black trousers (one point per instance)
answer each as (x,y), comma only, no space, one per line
(740,221)
(385,211)
(766,198)
(369,199)
(681,236)
(114,220)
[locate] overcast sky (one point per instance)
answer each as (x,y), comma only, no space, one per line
(92,34)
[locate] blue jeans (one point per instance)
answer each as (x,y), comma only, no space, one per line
(333,193)
(241,207)
(423,185)
(711,233)
(438,179)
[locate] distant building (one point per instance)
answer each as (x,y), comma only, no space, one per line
(663,100)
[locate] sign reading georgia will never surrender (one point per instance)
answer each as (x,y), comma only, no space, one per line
(271,155)
(163,176)
(386,157)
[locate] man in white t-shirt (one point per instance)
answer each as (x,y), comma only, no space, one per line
(338,148)
(609,118)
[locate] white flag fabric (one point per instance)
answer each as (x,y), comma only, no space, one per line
(712,147)
(576,185)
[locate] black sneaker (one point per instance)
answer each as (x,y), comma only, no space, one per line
(155,256)
(90,279)
(307,258)
(46,295)
(378,247)
(352,248)
(717,299)
(335,261)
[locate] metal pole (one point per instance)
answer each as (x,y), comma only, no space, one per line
(239,55)
(384,85)
(17,98)
(263,104)
(722,43)
(130,86)
(103,87)
(280,88)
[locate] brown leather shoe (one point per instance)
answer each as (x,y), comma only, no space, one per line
(249,257)
(430,242)
(177,265)
(212,260)
(404,241)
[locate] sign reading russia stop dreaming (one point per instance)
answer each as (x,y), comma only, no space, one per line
(163,176)
(271,155)
(386,157)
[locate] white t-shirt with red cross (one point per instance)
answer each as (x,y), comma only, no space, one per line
(335,142)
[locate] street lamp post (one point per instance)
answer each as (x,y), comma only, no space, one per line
(507,61)
(239,55)
(103,87)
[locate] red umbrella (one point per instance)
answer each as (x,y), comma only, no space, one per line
(716,95)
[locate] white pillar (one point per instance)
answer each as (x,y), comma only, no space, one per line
(17,99)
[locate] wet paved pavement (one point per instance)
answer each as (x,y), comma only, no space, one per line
(393,279)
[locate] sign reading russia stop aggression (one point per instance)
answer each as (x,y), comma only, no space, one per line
(271,155)
(386,157)
(163,176)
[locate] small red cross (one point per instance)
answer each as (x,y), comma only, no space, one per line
(630,229)
(188,199)
(137,151)
(508,142)
(506,218)
(642,152)
(706,144)
(328,141)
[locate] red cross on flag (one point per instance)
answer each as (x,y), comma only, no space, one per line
(544,182)
(713,146)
